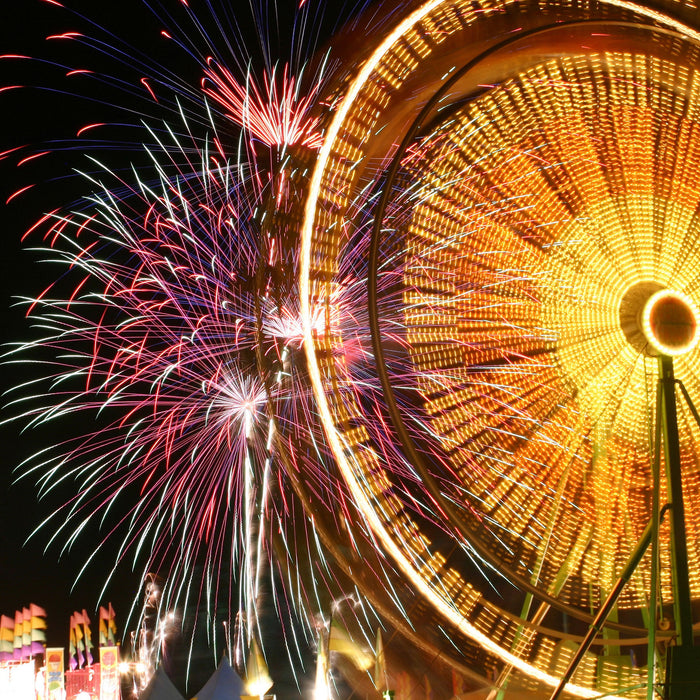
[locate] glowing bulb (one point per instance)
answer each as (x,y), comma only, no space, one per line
(670,322)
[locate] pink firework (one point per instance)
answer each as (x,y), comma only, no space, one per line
(157,337)
(173,339)
(276,115)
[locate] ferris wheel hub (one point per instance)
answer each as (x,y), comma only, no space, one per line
(669,322)
(657,320)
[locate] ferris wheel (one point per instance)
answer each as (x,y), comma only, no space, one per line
(501,233)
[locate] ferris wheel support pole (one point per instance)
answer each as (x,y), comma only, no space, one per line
(679,550)
(654,574)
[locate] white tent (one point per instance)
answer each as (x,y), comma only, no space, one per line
(224,684)
(160,688)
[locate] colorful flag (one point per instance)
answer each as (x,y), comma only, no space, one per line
(37,626)
(111,624)
(103,631)
(7,637)
(79,636)
(72,647)
(26,633)
(19,628)
(89,646)
(108,627)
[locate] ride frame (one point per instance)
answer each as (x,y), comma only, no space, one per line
(682,677)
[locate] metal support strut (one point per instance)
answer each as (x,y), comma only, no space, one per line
(679,548)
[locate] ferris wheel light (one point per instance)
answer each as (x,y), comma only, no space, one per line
(670,322)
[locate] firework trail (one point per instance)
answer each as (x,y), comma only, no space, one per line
(173,326)
(163,351)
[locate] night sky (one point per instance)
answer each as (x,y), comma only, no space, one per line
(30,573)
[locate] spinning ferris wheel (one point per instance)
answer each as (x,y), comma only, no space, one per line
(510,402)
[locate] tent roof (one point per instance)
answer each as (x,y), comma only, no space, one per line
(224,684)
(160,688)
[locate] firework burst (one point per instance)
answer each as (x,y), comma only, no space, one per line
(173,329)
(163,351)
(275,115)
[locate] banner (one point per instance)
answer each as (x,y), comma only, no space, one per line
(83,683)
(54,673)
(40,684)
(109,673)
